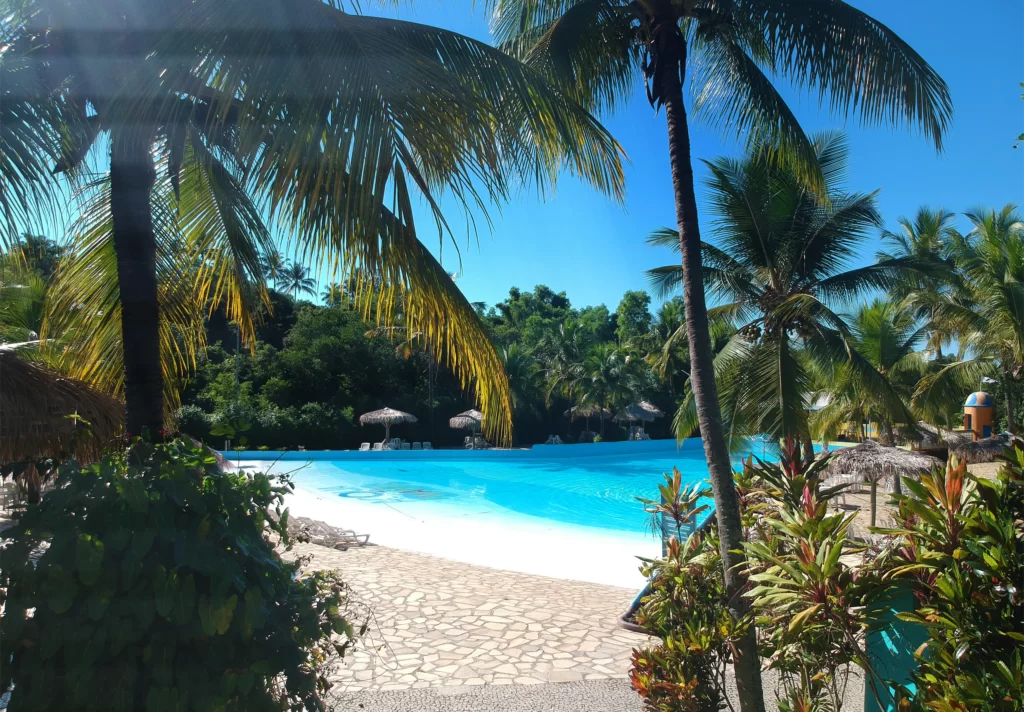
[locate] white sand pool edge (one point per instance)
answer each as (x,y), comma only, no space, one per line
(560,551)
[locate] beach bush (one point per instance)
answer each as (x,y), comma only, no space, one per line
(806,597)
(686,610)
(959,543)
(148,582)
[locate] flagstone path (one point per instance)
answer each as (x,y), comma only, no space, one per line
(440,623)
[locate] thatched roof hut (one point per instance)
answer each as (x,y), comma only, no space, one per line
(469,420)
(985,450)
(873,461)
(932,436)
(386,417)
(38,408)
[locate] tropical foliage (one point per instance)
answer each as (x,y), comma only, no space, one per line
(160,590)
(730,54)
(959,547)
(209,150)
(779,265)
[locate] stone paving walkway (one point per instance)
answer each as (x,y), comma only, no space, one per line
(440,623)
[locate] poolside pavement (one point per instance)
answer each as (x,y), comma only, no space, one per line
(447,636)
(441,623)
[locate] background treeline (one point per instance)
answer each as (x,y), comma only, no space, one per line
(317,367)
(945,325)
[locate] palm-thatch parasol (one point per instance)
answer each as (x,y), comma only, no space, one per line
(470,420)
(984,450)
(386,417)
(872,462)
(633,414)
(41,413)
(587,412)
(652,409)
(932,436)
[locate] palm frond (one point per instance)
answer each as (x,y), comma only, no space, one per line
(31,133)
(82,326)
(731,92)
(589,49)
(943,391)
(861,65)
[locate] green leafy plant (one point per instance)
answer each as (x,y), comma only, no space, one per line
(805,595)
(686,609)
(960,544)
(147,582)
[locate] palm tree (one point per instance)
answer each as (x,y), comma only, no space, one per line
(606,378)
(273,266)
(231,113)
(295,279)
(887,335)
(562,353)
(524,374)
(777,266)
(596,47)
(991,322)
(927,238)
(334,294)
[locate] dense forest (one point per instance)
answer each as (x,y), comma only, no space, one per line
(317,367)
(919,346)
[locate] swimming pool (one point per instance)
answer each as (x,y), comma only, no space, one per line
(593,485)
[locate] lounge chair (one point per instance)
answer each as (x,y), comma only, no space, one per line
(428,446)
(364,447)
(417,446)
(407,446)
(347,538)
(377,447)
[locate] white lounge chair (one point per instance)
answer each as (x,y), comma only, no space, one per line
(407,446)
(428,446)
(364,447)
(377,447)
(417,446)
(350,538)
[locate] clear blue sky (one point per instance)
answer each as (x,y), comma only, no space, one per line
(579,242)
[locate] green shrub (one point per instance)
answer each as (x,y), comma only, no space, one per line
(191,420)
(159,590)
(960,544)
(806,596)
(687,610)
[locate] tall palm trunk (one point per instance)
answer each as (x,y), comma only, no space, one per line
(132,176)
(1008,384)
(806,444)
(671,53)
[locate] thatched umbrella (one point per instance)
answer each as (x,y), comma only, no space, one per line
(633,414)
(932,436)
(985,450)
(587,412)
(873,462)
(39,412)
(652,409)
(386,417)
(470,420)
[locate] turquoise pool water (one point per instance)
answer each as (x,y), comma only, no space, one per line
(589,485)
